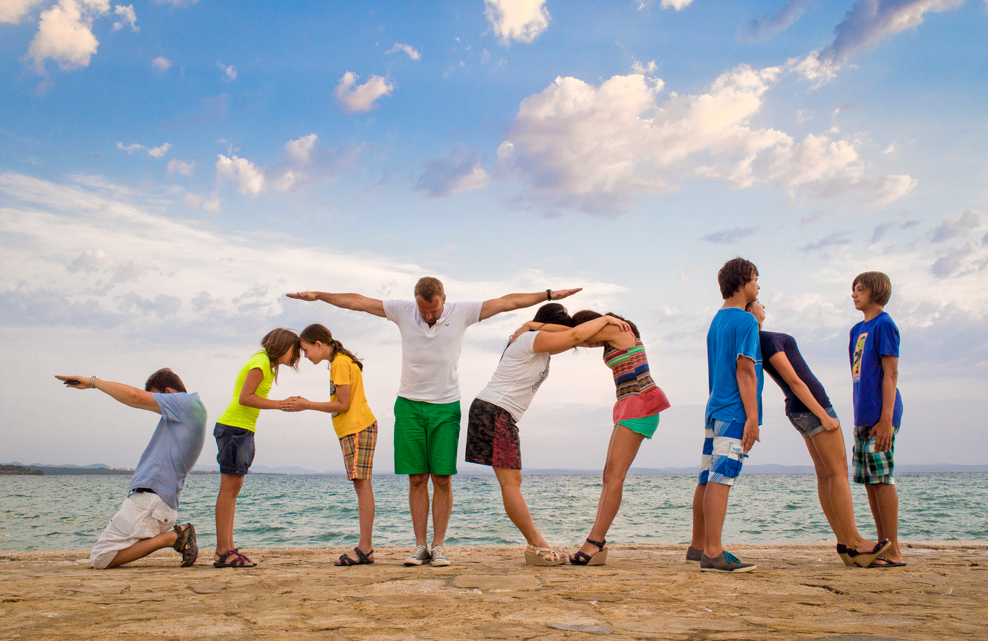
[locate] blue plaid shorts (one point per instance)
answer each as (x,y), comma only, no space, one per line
(871,467)
(722,454)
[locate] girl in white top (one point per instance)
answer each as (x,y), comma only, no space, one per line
(492,433)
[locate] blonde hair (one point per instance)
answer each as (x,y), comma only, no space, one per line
(878,284)
(429,288)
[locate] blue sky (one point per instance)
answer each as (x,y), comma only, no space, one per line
(169,169)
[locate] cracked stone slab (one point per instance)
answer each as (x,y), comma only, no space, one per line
(497,582)
(588,629)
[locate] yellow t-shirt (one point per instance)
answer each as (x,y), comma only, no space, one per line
(344,371)
(238,415)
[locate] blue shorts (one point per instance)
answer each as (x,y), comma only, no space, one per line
(807,424)
(722,454)
(235,447)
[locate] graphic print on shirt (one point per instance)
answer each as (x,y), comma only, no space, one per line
(858,351)
(542,377)
(332,395)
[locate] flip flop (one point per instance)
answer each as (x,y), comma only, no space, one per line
(864,559)
(887,563)
(186,545)
(239,560)
(363,558)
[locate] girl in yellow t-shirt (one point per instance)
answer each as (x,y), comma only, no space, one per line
(234,433)
(355,426)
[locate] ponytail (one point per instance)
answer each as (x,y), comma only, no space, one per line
(317,333)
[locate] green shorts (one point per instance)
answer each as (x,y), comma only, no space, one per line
(426,436)
(645,426)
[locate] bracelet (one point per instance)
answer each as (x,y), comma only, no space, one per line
(548,294)
(92,381)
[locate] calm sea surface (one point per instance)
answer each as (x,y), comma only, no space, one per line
(69,512)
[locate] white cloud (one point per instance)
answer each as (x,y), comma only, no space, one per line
(181,168)
(354,98)
(127,17)
(408,49)
(675,4)
(13,11)
(461,170)
(769,25)
(91,260)
(644,69)
(130,148)
(300,151)
(65,34)
(863,26)
(158,152)
(229,71)
(308,162)
(596,148)
(521,20)
(242,171)
(161,64)
(177,3)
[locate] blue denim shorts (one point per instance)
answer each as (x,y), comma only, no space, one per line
(235,447)
(807,424)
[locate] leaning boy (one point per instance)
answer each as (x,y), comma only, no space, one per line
(146,520)
(874,354)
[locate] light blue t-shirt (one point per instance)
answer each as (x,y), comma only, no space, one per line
(174,447)
(733,334)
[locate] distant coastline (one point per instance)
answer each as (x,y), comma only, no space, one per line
(472,470)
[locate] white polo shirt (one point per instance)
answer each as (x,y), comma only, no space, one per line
(430,355)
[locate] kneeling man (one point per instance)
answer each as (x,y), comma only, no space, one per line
(146,521)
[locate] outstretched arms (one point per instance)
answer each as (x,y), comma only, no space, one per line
(355,302)
(512,302)
(119,391)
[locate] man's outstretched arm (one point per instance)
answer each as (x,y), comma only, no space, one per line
(124,393)
(355,302)
(512,302)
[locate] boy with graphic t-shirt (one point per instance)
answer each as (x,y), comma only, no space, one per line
(734,412)
(874,355)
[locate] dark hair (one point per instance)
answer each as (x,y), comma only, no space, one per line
(163,379)
(734,275)
(317,333)
(878,284)
(553,313)
(429,287)
(587,315)
(276,343)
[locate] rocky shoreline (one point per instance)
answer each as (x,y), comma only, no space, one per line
(646,591)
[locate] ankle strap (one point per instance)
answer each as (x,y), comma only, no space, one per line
(599,544)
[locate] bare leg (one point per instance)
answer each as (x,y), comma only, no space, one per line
(699,532)
(885,508)
(144,547)
(516,507)
(621,454)
(418,504)
(442,506)
(226,508)
(714,512)
(365,510)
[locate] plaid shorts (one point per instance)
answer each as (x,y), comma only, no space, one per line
(358,453)
(871,467)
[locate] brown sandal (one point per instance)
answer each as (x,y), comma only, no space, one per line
(186,545)
(363,558)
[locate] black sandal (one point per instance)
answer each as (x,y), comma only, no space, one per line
(186,545)
(363,558)
(865,559)
(598,558)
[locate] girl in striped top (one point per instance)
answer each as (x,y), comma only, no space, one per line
(635,416)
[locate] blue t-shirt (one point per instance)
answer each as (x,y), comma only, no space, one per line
(869,342)
(772,344)
(174,447)
(733,334)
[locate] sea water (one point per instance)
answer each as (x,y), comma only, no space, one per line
(69,512)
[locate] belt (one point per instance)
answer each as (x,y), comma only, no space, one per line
(142,490)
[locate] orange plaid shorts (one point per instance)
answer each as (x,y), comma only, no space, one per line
(358,453)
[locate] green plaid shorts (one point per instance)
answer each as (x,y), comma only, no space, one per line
(871,467)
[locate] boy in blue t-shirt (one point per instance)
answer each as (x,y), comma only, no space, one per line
(734,412)
(874,354)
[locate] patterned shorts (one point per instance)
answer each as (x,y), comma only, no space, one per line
(722,454)
(358,453)
(492,437)
(871,467)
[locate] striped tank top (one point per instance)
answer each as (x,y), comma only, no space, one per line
(637,394)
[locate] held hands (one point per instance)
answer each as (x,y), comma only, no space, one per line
(750,435)
(76,382)
(307,296)
(295,403)
(882,433)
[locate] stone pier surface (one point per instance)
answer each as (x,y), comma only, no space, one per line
(645,591)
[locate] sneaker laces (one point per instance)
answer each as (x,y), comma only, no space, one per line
(730,558)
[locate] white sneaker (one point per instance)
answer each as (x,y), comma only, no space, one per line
(439,557)
(419,556)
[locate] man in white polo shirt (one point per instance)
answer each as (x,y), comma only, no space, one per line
(427,410)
